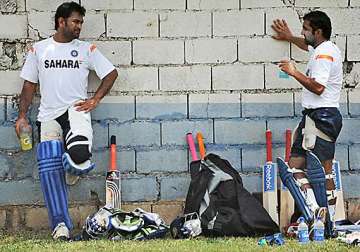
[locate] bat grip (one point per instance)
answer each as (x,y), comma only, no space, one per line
(268,135)
(190,141)
(200,140)
(112,157)
(287,144)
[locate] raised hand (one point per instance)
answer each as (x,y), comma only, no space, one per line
(282,30)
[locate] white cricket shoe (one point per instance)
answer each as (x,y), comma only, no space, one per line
(61,232)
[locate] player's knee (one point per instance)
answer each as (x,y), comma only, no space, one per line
(79,153)
(297,162)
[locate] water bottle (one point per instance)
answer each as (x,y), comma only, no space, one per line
(25,137)
(283,75)
(318,230)
(303,231)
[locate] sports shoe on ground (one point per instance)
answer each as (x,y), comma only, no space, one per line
(61,232)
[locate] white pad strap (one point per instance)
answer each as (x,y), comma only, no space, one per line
(294,170)
(302,181)
(331,194)
(69,136)
(329,176)
(78,143)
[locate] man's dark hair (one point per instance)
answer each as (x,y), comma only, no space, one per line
(319,20)
(66,9)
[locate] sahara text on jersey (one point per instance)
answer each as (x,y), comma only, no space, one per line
(62,63)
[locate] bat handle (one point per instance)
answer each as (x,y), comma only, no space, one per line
(191,144)
(268,135)
(287,145)
(113,153)
(200,140)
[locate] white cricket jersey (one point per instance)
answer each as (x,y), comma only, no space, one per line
(325,66)
(62,71)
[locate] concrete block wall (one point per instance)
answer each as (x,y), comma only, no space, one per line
(184,66)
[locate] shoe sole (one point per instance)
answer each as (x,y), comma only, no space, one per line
(71,179)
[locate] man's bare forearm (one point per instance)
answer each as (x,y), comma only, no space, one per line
(27,94)
(106,84)
(299,42)
(309,83)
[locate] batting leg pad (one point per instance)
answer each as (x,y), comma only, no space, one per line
(289,181)
(52,180)
(78,135)
(317,179)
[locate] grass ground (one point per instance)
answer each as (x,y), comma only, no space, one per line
(42,242)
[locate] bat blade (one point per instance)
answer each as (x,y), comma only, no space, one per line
(113,180)
(200,140)
(339,207)
(286,200)
(269,180)
(190,141)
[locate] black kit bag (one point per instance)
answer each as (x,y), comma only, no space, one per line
(225,207)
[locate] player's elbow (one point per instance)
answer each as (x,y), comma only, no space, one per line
(111,76)
(317,88)
(29,87)
(114,74)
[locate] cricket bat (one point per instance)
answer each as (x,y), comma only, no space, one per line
(286,200)
(269,180)
(113,181)
(190,141)
(200,140)
(339,207)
